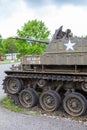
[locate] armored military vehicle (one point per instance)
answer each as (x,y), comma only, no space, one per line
(56,78)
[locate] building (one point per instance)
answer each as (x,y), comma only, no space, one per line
(11,56)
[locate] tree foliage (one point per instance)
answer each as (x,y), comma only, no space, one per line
(10,46)
(1,46)
(33,29)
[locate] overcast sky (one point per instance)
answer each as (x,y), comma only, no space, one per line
(54,13)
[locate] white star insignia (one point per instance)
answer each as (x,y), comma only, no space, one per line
(69,45)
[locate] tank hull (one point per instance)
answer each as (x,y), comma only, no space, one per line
(42,81)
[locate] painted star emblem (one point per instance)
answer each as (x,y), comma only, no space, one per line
(69,45)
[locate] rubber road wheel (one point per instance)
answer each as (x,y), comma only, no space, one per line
(75,104)
(50,100)
(28,98)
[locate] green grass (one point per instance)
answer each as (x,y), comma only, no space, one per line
(8,62)
(8,104)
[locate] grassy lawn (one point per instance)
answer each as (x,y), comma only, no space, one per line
(8,62)
(8,104)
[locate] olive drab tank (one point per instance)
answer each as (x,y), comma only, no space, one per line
(57,77)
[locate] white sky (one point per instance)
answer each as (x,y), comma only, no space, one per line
(70,16)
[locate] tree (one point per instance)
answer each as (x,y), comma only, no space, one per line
(1,46)
(37,30)
(10,45)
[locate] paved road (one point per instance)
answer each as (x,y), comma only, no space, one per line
(17,121)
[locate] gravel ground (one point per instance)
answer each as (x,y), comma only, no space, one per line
(17,121)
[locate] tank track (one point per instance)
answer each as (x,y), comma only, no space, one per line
(76,79)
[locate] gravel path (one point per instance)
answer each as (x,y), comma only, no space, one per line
(17,121)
